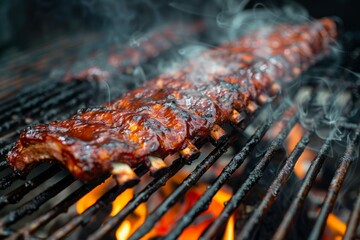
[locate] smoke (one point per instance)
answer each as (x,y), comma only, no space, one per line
(128,23)
(237,18)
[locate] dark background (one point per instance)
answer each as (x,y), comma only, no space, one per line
(24,23)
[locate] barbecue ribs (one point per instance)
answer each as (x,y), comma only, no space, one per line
(186,103)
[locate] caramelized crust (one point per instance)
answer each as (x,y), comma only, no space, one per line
(184,103)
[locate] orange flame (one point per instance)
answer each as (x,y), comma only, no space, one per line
(305,158)
(131,223)
(121,200)
(134,220)
(123,232)
(230,229)
(336,225)
(90,198)
(168,221)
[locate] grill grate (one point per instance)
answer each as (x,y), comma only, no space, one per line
(47,101)
(58,103)
(35,65)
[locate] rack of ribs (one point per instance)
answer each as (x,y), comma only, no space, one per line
(189,102)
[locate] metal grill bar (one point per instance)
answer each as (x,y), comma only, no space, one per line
(334,188)
(268,199)
(5,147)
(34,204)
(107,198)
(59,105)
(234,164)
(8,180)
(56,100)
(26,94)
(3,164)
(35,67)
(66,110)
(18,83)
(30,102)
(17,194)
(354,220)
(59,208)
(308,181)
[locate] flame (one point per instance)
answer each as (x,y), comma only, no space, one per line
(121,200)
(90,198)
(131,223)
(134,220)
(230,229)
(169,220)
(305,158)
(336,225)
(123,232)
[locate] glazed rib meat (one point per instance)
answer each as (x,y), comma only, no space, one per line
(186,103)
